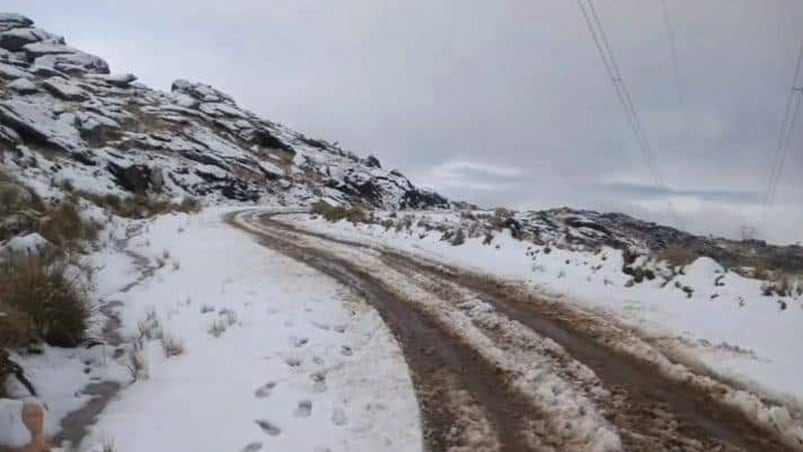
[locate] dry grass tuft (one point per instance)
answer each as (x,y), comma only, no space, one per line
(64,226)
(172,346)
(137,365)
(218,327)
(336,213)
(678,256)
(140,206)
(150,327)
(45,295)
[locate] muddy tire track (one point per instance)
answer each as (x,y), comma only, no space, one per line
(446,372)
(650,410)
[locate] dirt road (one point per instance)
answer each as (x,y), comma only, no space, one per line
(498,369)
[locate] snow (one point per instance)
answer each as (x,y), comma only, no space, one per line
(270,168)
(13,432)
(300,363)
(40,117)
(726,323)
(64,89)
(28,244)
(22,85)
(13,72)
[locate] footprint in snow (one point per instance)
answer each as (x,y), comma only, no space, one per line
(252,447)
(345,350)
(339,417)
(298,341)
(264,390)
(304,408)
(320,325)
(268,427)
(293,361)
(320,381)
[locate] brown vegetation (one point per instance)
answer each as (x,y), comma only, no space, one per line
(678,256)
(139,206)
(336,213)
(44,298)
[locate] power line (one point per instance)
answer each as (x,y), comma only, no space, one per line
(784,137)
(623,94)
(670,34)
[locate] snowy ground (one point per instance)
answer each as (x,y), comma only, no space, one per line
(726,322)
(297,362)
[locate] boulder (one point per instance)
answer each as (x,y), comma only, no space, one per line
(117,80)
(137,178)
(10,72)
(200,91)
(64,90)
(22,86)
(9,21)
(37,122)
(8,136)
(372,162)
(64,58)
(15,39)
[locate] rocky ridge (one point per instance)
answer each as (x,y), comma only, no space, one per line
(65,118)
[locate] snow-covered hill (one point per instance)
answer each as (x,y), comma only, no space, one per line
(65,117)
(736,324)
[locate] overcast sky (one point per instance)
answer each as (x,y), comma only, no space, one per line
(501,102)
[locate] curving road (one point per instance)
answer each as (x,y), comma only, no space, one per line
(498,369)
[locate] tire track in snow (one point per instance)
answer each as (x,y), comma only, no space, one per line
(652,411)
(444,370)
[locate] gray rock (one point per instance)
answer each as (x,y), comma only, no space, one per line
(118,80)
(10,72)
(15,39)
(15,59)
(64,90)
(8,136)
(136,178)
(9,21)
(200,91)
(46,72)
(22,86)
(38,122)
(64,58)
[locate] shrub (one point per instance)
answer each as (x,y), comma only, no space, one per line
(137,365)
(15,328)
(189,205)
(172,346)
(150,327)
(678,256)
(217,327)
(65,227)
(140,206)
(336,213)
(458,238)
(47,296)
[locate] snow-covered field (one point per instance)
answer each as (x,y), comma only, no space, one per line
(275,356)
(725,323)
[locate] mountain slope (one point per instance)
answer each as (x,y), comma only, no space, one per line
(64,117)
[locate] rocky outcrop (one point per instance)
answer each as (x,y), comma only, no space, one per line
(9,21)
(16,39)
(66,116)
(138,179)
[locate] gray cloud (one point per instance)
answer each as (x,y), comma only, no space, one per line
(641,191)
(501,84)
